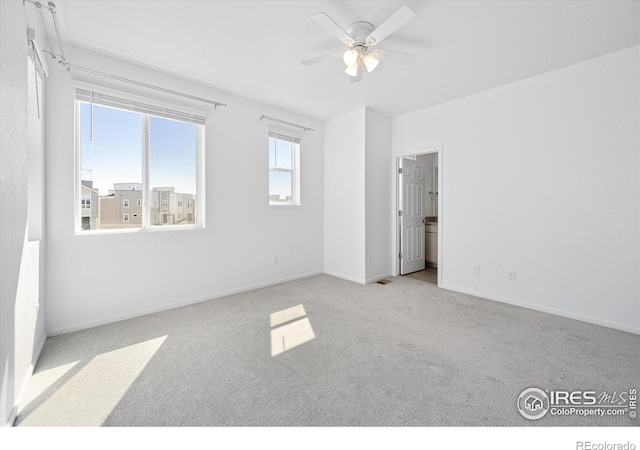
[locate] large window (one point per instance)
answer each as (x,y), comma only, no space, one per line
(132,157)
(284,173)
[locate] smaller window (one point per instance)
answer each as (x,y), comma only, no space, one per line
(125,217)
(155,217)
(189,205)
(179,204)
(125,203)
(284,173)
(135,215)
(139,202)
(165,204)
(155,203)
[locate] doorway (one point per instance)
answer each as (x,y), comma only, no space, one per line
(419,215)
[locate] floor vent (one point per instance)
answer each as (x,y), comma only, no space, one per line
(384,281)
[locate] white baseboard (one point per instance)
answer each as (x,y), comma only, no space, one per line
(545,309)
(345,277)
(377,278)
(144,312)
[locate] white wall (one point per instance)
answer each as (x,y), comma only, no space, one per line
(344,196)
(377,200)
(21,328)
(541,176)
(356,200)
(93,279)
(13,188)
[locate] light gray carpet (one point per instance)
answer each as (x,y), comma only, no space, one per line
(405,353)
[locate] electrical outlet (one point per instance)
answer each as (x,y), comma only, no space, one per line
(476,270)
(274,261)
(511,275)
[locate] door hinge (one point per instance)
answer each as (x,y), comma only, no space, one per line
(400,255)
(400,213)
(400,170)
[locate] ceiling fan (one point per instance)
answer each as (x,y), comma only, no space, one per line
(361,37)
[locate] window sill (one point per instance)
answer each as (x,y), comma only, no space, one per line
(139,230)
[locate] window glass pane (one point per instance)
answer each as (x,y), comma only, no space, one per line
(283,154)
(111,166)
(172,172)
(272,152)
(279,186)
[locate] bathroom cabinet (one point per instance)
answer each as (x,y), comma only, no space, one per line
(431,245)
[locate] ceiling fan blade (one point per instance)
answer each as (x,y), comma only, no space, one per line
(397,57)
(333,28)
(398,19)
(319,59)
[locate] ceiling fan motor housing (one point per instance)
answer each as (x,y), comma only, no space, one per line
(359,32)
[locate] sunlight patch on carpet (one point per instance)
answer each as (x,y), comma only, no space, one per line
(292,334)
(287,315)
(41,381)
(90,396)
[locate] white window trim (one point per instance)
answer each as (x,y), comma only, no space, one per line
(125,217)
(146,224)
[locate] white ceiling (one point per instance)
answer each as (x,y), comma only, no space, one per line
(254,48)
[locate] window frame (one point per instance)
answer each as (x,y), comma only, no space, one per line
(296,145)
(200,173)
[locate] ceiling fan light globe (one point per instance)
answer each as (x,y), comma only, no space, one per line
(370,63)
(352,70)
(350,57)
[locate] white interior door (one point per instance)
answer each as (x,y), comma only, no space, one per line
(412,217)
